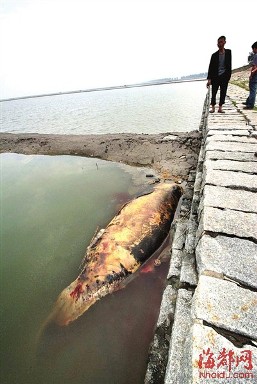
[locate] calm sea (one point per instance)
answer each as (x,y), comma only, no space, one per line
(152,109)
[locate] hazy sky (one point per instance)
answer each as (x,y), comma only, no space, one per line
(62,45)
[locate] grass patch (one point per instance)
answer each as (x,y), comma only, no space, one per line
(234,103)
(241,83)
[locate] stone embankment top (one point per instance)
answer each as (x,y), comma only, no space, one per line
(210,303)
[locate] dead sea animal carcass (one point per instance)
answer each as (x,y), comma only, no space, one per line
(133,235)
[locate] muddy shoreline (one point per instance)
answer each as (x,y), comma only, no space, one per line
(172,156)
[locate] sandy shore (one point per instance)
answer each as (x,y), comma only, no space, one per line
(173,156)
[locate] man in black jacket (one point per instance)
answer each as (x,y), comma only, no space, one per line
(219,73)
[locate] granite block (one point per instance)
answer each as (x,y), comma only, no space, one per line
(231,138)
(188,270)
(241,132)
(229,222)
(231,179)
(180,330)
(237,156)
(232,127)
(231,146)
(180,235)
(234,257)
(237,199)
(175,263)
(230,165)
(226,305)
(167,309)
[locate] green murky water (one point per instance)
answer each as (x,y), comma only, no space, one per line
(50,209)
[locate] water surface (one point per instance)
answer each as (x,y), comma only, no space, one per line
(50,209)
(152,109)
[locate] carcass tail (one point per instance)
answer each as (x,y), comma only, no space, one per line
(70,304)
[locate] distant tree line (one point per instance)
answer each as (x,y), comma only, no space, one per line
(201,75)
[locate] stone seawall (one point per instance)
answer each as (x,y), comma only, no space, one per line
(207,327)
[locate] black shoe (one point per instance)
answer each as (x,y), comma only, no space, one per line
(247,107)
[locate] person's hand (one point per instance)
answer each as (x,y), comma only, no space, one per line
(208,83)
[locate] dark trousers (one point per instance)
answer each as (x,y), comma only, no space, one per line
(222,83)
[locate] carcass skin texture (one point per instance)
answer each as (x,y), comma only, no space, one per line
(133,235)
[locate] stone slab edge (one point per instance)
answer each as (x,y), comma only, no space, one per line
(200,336)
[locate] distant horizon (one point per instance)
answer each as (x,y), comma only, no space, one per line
(169,80)
(125,86)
